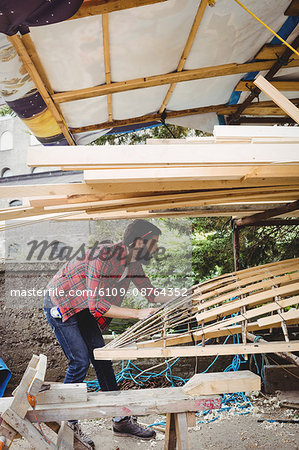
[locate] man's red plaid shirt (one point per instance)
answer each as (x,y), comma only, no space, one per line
(94,279)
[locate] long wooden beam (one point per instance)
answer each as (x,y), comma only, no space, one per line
(96,7)
(167,78)
(281,85)
(270,51)
(200,12)
(255,109)
(20,191)
(289,207)
(192,173)
(105,26)
(36,78)
(140,155)
(284,103)
(208,350)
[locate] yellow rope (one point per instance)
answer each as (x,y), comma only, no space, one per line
(268,28)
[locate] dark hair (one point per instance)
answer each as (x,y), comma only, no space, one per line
(140,229)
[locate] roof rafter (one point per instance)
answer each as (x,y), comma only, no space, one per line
(168,78)
(105,25)
(188,46)
(254,109)
(37,80)
(96,7)
(280,62)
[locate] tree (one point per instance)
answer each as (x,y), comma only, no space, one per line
(212,253)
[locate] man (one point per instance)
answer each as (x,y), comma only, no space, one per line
(85,295)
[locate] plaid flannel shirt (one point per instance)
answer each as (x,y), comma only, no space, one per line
(89,283)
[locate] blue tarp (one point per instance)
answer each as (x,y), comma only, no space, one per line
(5,375)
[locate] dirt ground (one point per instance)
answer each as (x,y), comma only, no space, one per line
(229,431)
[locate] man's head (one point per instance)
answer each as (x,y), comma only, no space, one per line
(141,239)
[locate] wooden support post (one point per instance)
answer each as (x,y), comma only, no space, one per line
(181,427)
(236,246)
(282,101)
(170,434)
(65,438)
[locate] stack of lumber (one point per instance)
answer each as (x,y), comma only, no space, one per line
(238,167)
(254,299)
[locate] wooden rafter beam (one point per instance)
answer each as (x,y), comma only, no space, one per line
(281,85)
(289,207)
(284,59)
(168,78)
(96,7)
(105,25)
(30,47)
(208,350)
(255,109)
(37,80)
(200,12)
(269,51)
(284,103)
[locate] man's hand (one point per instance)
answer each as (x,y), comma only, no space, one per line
(145,313)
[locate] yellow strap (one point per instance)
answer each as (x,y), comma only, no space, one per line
(268,28)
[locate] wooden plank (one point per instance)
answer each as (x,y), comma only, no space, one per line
(286,85)
(208,350)
(65,438)
(222,383)
(118,155)
(181,427)
(104,404)
(39,377)
(285,316)
(96,7)
(252,300)
(277,97)
(20,404)
(197,335)
(163,79)
(31,69)
(27,430)
(225,109)
(95,176)
(63,393)
(18,191)
(197,20)
(105,26)
(170,434)
(272,51)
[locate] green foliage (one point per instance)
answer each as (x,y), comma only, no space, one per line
(140,137)
(213,249)
(6,111)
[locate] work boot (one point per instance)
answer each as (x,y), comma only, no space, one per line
(128,427)
(80,435)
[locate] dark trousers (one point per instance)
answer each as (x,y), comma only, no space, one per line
(78,337)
